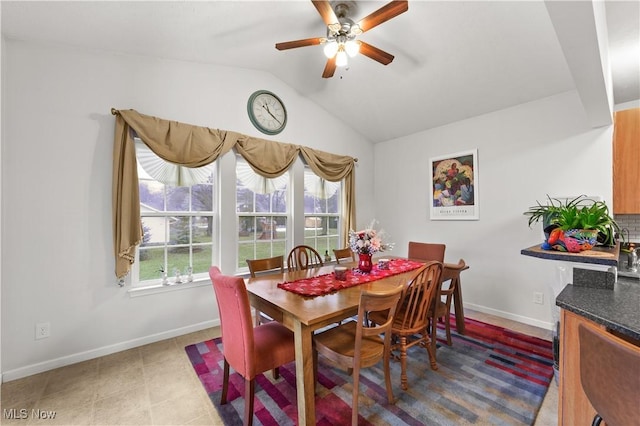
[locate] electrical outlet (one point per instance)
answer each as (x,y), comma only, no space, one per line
(43,330)
(538,298)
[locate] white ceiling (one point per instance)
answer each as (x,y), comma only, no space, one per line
(453,59)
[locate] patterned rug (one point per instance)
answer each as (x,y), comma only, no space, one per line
(490,375)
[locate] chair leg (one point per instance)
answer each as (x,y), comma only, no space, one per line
(387,376)
(356,389)
(225,383)
(403,363)
(434,330)
(249,389)
(276,373)
(431,351)
(447,326)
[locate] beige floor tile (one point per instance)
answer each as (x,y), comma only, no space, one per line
(160,351)
(120,361)
(185,407)
(28,389)
(119,381)
(70,382)
(130,407)
(171,383)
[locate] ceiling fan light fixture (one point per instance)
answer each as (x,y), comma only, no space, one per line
(341,57)
(352,47)
(330,49)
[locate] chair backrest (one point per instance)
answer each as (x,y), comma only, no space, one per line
(266,264)
(345,253)
(375,301)
(418,295)
(426,251)
(610,375)
(236,322)
(303,257)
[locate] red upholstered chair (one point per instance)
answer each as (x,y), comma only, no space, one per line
(426,251)
(249,351)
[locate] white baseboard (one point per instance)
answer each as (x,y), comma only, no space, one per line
(510,316)
(40,367)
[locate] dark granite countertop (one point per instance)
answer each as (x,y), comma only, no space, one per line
(617,309)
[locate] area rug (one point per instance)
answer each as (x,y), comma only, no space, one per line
(490,375)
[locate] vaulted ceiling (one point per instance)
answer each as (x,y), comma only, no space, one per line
(453,59)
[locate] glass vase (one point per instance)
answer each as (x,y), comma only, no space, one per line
(364,262)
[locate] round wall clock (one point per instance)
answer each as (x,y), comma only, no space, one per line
(267,112)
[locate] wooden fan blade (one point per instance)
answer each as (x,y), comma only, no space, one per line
(329,68)
(376,54)
(386,12)
(326,11)
(299,43)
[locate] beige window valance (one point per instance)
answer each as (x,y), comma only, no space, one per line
(196,146)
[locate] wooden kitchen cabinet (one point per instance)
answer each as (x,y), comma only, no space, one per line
(626,162)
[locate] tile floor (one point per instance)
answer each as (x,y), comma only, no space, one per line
(154,385)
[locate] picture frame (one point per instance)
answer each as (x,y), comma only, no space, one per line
(453,193)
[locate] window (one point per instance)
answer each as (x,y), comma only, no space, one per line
(178,212)
(262,210)
(322,207)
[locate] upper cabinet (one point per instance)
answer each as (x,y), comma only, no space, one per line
(626,162)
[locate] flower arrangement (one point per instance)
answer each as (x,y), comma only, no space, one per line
(368,241)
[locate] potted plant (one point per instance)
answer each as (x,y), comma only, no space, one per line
(574,225)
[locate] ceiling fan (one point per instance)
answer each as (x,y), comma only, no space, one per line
(342,32)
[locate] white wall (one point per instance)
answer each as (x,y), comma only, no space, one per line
(57,258)
(525,152)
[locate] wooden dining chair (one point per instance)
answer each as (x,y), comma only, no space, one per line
(358,344)
(303,257)
(440,310)
(345,253)
(249,350)
(426,251)
(610,376)
(273,264)
(410,324)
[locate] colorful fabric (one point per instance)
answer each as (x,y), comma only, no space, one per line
(327,283)
(490,375)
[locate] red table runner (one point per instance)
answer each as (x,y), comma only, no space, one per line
(325,284)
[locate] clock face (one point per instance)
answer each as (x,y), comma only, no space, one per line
(267,112)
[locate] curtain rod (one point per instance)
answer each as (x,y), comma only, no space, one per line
(116,112)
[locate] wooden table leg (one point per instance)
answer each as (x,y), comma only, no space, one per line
(304,374)
(457,303)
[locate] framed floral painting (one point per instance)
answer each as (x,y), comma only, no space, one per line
(453,191)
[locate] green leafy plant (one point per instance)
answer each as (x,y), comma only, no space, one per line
(579,213)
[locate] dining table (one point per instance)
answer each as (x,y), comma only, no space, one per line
(303,315)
